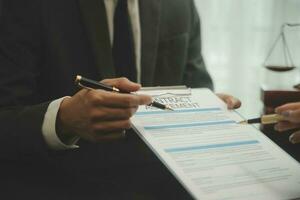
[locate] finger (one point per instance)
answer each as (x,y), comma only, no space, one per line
(285,125)
(118,100)
(110,126)
(295,137)
(110,136)
(286,107)
(123,84)
(110,114)
(232,102)
(291,115)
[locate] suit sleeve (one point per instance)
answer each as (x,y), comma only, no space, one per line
(21,115)
(196,74)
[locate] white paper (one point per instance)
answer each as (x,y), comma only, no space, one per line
(213,156)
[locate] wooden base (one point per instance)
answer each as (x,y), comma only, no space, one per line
(274,98)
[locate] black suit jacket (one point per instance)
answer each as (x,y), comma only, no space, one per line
(45,43)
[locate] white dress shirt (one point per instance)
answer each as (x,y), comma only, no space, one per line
(48,127)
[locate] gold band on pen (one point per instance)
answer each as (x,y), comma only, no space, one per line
(115,89)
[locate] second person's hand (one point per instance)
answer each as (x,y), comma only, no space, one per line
(231,101)
(291,114)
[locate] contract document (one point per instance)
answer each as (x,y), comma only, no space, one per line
(212,155)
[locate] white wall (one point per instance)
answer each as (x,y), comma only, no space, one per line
(237,35)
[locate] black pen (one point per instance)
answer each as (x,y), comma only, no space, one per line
(91,84)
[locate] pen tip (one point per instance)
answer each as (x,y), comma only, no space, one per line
(169,108)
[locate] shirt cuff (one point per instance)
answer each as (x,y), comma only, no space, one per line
(49,128)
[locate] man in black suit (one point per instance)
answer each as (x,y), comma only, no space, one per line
(0,7)
(43,45)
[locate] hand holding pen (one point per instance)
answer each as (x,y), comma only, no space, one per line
(99,115)
(287,117)
(91,84)
(291,114)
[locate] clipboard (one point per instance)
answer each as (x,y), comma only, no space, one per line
(211,155)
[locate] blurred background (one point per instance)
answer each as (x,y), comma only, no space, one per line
(237,36)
